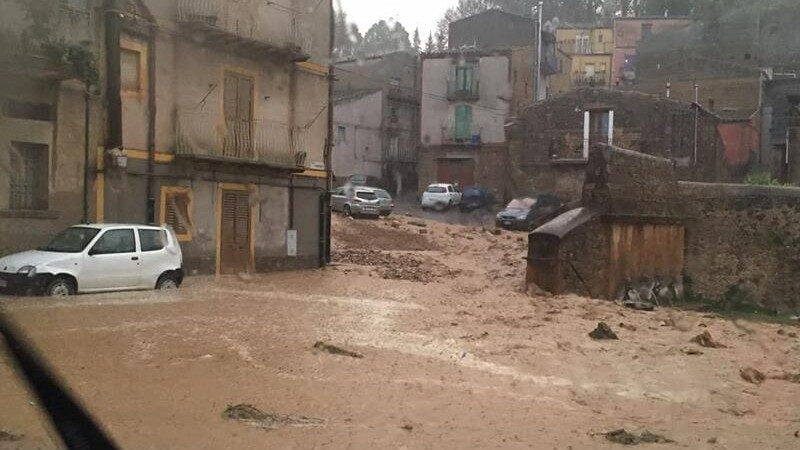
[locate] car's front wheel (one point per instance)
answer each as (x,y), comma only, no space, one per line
(60,287)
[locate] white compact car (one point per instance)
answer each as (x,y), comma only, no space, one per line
(440,196)
(96,258)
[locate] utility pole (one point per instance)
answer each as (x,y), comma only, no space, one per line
(538,77)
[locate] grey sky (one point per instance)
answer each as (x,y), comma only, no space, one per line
(411,13)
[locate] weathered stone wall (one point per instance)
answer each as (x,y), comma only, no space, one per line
(744,236)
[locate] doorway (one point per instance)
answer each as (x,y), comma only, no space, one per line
(235,250)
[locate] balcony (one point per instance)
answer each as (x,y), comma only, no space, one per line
(207,136)
(250,28)
(457,91)
(597,79)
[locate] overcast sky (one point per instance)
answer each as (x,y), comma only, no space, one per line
(411,13)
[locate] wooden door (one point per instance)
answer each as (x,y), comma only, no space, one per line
(238,110)
(461,171)
(235,246)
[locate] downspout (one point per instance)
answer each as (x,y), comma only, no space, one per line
(329,141)
(150,206)
(113,17)
(86,114)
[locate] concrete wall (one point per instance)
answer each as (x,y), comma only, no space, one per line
(361,152)
(488,113)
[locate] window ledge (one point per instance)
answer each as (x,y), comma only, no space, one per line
(28,214)
(568,161)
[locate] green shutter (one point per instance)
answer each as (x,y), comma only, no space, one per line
(463,129)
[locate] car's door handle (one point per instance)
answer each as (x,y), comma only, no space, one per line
(135,258)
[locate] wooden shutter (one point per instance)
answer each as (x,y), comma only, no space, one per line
(177,213)
(463,129)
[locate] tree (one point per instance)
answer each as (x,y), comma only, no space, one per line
(441,34)
(416,43)
(429,45)
(342,43)
(381,38)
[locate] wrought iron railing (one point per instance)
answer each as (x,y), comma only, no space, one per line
(460,91)
(207,135)
(596,79)
(248,19)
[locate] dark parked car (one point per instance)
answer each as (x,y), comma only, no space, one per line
(474,197)
(525,213)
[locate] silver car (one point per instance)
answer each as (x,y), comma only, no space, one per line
(361,201)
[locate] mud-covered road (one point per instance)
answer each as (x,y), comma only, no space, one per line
(453,354)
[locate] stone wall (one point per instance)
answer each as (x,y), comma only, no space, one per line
(491,166)
(746,237)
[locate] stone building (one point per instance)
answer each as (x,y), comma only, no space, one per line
(393,118)
(216,123)
(492,29)
(550,141)
(465,104)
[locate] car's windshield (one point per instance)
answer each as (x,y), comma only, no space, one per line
(521,203)
(437,189)
(71,240)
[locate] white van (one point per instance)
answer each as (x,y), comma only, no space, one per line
(96,258)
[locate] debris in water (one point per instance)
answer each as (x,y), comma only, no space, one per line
(625,438)
(691,351)
(407,427)
(7,436)
(639,305)
(786,376)
(603,331)
(626,326)
(704,339)
(253,416)
(334,350)
(752,375)
(417,223)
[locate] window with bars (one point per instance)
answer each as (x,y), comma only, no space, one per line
(176,211)
(29,172)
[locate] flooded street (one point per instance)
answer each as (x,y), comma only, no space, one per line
(453,354)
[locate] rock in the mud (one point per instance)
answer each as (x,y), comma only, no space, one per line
(704,339)
(496,231)
(626,326)
(752,375)
(603,331)
(691,351)
(334,350)
(423,231)
(417,223)
(624,437)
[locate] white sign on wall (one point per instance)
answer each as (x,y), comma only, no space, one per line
(291,242)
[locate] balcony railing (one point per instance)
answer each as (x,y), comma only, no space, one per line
(257,25)
(459,92)
(597,79)
(205,135)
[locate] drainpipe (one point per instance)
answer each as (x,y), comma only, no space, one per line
(329,141)
(113,16)
(151,126)
(696,118)
(86,104)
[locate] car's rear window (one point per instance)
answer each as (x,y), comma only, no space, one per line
(152,240)
(382,194)
(437,189)
(364,195)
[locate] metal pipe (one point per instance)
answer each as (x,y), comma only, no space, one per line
(86,116)
(329,141)
(151,127)
(113,16)
(536,96)
(696,118)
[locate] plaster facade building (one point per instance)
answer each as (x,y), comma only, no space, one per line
(377,134)
(216,122)
(465,104)
(628,32)
(584,57)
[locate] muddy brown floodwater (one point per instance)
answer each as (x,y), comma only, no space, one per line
(453,355)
